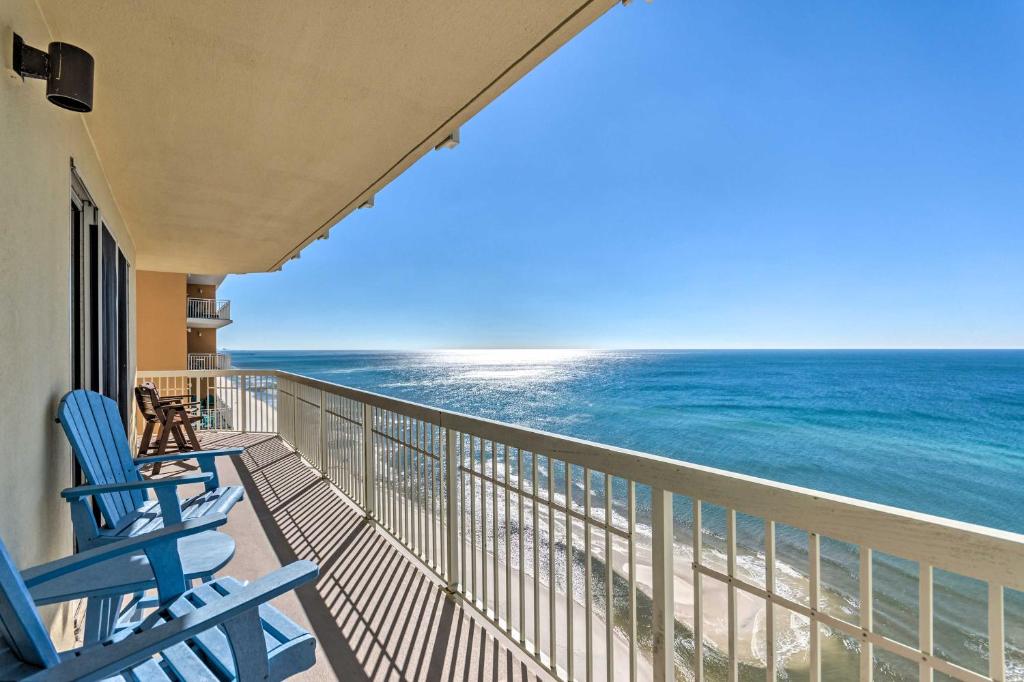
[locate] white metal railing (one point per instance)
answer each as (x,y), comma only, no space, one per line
(233,400)
(524,525)
(208,308)
(208,361)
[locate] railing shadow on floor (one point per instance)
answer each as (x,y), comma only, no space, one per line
(375,613)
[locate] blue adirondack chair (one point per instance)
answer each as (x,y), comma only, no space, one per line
(222,630)
(117,596)
(93,425)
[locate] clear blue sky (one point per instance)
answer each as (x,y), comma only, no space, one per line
(700,175)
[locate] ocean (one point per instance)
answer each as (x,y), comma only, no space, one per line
(940,432)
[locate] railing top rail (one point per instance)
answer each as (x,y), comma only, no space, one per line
(968,549)
(203,373)
(210,300)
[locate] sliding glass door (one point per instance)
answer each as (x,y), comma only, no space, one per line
(100,287)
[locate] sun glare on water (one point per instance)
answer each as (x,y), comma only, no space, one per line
(513,356)
(509,364)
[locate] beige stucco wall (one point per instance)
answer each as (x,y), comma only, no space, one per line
(37,141)
(202,291)
(202,341)
(160,308)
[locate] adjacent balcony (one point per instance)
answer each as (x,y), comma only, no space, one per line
(578,560)
(208,361)
(207,313)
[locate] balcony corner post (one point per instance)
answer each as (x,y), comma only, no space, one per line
(451,500)
(369,474)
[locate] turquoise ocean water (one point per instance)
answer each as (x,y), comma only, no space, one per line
(940,432)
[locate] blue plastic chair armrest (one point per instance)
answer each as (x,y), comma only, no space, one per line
(177,456)
(204,457)
(153,483)
(54,569)
(102,661)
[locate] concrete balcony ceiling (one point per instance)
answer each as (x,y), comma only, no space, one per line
(234,133)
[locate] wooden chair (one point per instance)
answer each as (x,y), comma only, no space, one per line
(169,417)
(222,630)
(93,425)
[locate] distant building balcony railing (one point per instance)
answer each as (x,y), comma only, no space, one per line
(714,574)
(207,312)
(209,361)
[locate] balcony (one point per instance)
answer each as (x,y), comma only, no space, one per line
(208,361)
(374,612)
(207,313)
(521,527)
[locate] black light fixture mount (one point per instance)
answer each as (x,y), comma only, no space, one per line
(67,70)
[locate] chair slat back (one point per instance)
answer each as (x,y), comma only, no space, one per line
(93,425)
(147,399)
(21,630)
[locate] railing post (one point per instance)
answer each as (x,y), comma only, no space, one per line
(369,474)
(451,510)
(244,399)
(322,459)
(663,580)
(194,390)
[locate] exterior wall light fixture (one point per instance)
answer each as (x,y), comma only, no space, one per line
(450,142)
(67,70)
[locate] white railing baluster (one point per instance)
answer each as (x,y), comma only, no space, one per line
(412,479)
(398,476)
(553,633)
(609,583)
(631,513)
(769,613)
(324,467)
(461,447)
(663,579)
(483,527)
(522,549)
(391,456)
(494,530)
(569,600)
(405,476)
(451,509)
(924,627)
(244,399)
(473,481)
(588,577)
(369,465)
(867,616)
(732,617)
(697,542)
(438,546)
(419,508)
(535,522)
(814,555)
(507,530)
(996,633)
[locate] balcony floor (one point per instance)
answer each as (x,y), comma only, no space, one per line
(376,613)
